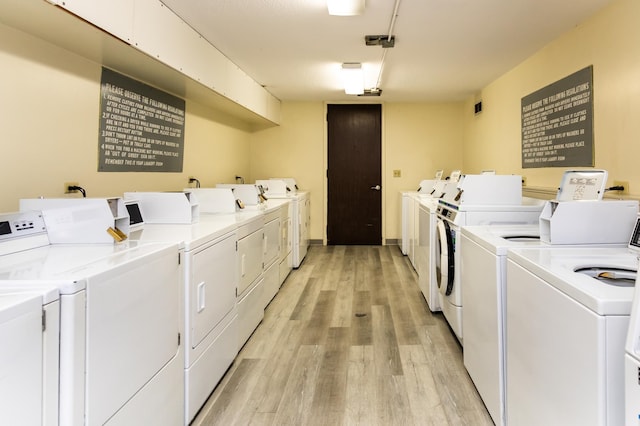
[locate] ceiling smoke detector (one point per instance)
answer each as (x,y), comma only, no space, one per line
(380,40)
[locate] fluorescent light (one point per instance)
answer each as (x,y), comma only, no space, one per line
(352,78)
(345,7)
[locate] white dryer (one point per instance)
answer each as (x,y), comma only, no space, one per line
(48,354)
(208,294)
(119,333)
(287,188)
(21,359)
(251,249)
(567,313)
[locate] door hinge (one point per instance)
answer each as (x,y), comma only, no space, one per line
(236,246)
(179,259)
(44,320)
(179,339)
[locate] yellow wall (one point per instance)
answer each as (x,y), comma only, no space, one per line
(295,149)
(49,115)
(609,42)
(418,139)
(50,105)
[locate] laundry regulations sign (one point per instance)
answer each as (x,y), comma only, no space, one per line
(141,128)
(557,123)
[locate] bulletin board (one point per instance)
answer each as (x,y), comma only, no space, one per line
(557,123)
(141,127)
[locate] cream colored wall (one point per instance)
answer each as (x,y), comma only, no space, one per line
(295,149)
(49,124)
(50,106)
(418,139)
(609,42)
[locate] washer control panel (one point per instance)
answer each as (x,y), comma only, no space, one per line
(17,225)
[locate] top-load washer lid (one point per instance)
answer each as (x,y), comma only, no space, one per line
(612,276)
(558,267)
(582,185)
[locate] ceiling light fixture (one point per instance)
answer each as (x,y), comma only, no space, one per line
(345,7)
(353,78)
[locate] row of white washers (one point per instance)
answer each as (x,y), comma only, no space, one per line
(207,325)
(459,201)
(544,336)
(485,199)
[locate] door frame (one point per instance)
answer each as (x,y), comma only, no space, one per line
(325,166)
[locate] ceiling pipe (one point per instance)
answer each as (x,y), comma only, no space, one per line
(393,19)
(390,34)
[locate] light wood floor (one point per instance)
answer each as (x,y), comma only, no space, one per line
(348,340)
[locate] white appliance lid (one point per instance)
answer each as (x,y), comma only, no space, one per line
(67,266)
(558,267)
(582,185)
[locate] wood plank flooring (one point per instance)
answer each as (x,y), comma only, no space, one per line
(348,340)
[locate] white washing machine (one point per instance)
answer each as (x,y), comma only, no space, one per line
(483,262)
(566,322)
(119,333)
(209,312)
(483,280)
(409,212)
(632,353)
(425,251)
(504,205)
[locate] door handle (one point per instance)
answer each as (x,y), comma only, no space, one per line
(377,187)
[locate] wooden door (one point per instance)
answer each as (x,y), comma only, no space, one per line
(354,199)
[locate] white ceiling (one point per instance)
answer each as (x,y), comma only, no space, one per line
(445,50)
